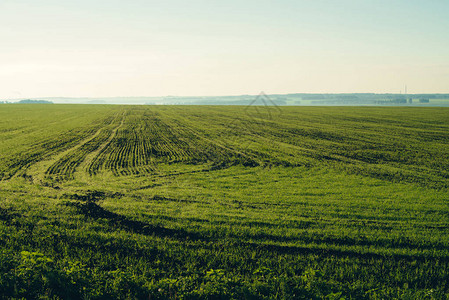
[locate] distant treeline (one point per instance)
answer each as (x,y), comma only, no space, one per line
(293,99)
(365,96)
(28,101)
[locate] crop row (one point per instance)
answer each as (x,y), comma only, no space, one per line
(394,149)
(221,137)
(39,133)
(390,145)
(147,138)
(64,168)
(42,150)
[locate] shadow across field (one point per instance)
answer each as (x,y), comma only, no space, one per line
(262,237)
(7,215)
(347,241)
(88,207)
(299,250)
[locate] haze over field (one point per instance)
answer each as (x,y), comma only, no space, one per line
(157,48)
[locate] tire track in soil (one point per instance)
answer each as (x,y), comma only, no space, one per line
(37,171)
(82,170)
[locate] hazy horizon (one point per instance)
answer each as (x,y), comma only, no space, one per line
(139,48)
(223,95)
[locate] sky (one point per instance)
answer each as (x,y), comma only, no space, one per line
(108,48)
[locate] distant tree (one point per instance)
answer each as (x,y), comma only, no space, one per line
(29,101)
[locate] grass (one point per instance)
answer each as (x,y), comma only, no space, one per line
(186,202)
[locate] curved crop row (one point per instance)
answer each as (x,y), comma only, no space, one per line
(64,168)
(148,138)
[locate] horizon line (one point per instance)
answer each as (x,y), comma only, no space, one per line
(227,95)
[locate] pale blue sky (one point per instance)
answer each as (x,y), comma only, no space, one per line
(102,48)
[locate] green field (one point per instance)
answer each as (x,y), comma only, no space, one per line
(206,202)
